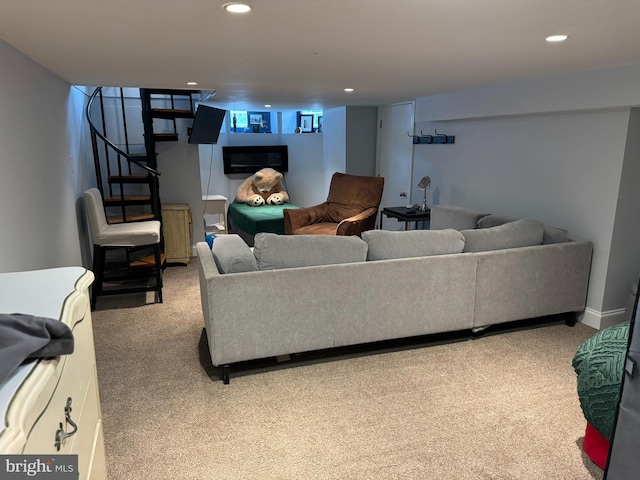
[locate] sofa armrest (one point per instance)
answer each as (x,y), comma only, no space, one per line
(208,267)
(357,224)
(296,218)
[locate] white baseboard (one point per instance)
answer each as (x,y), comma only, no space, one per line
(600,320)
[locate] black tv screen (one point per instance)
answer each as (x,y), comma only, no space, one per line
(206,125)
(250,159)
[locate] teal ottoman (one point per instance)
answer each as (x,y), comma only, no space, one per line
(246,221)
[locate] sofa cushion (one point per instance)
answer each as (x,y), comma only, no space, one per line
(555,235)
(233,255)
(494,221)
(385,244)
(521,233)
(551,234)
(458,218)
(289,251)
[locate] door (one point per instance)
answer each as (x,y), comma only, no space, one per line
(395,158)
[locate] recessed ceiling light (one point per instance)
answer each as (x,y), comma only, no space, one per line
(348,89)
(192,84)
(236,7)
(267,105)
(556,38)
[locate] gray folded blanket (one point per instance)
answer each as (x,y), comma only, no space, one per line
(26,336)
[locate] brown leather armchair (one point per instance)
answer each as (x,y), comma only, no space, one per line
(350,209)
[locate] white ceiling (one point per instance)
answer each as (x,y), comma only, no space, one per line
(303,53)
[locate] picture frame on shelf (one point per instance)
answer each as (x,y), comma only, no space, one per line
(306,123)
(255,119)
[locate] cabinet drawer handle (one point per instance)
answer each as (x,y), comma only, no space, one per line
(61,435)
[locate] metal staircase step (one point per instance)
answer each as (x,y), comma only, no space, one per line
(116,179)
(128,200)
(148,262)
(134,217)
(165,137)
(170,114)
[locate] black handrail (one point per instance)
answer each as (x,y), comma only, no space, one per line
(95,130)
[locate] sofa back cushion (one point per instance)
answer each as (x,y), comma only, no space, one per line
(458,218)
(233,255)
(289,251)
(521,233)
(494,221)
(551,234)
(385,244)
(555,235)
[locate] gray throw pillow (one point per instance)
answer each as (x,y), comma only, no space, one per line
(290,251)
(494,221)
(233,255)
(555,235)
(458,218)
(521,233)
(385,244)
(551,234)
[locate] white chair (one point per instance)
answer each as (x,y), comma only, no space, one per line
(126,236)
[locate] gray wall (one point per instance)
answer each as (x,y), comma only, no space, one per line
(563,150)
(624,256)
(334,146)
(350,140)
(44,169)
(361,140)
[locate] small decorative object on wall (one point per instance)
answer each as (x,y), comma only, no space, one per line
(306,123)
(438,138)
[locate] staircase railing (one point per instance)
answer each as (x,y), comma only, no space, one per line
(111,150)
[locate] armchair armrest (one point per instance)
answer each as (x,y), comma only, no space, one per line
(296,218)
(357,224)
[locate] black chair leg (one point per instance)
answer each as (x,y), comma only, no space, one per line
(158,271)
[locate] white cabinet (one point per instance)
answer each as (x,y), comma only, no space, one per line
(33,400)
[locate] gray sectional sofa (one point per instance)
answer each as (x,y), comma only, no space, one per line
(293,294)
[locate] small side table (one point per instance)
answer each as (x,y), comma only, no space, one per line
(405,215)
(215,205)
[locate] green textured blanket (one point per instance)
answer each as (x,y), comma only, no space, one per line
(599,364)
(267,218)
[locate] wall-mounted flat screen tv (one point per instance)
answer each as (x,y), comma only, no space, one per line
(206,125)
(250,159)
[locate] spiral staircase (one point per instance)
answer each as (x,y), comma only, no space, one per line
(124,131)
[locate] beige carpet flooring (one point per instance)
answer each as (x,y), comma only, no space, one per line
(503,406)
